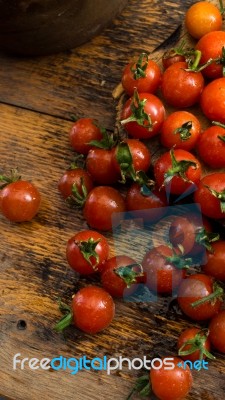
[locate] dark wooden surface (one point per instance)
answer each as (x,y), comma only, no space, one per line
(37,98)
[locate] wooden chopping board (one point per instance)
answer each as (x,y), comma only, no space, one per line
(37,98)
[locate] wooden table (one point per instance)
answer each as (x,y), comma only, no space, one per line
(38,96)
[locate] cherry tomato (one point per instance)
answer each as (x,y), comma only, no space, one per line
(99,164)
(195,343)
(101,204)
(171,384)
(171,58)
(120,276)
(181,130)
(213,100)
(211,146)
(19,201)
(202,17)
(210,194)
(92,310)
(131,156)
(82,132)
(182,234)
(178,170)
(164,270)
(210,46)
(75,181)
(181,88)
(217,331)
(145,203)
(215,265)
(87,251)
(143,115)
(142,74)
(197,288)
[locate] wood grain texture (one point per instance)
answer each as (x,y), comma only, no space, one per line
(37,98)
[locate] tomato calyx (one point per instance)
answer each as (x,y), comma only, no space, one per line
(142,387)
(138,113)
(14,177)
(180,50)
(179,168)
(179,262)
(205,238)
(184,130)
(107,142)
(77,199)
(221,137)
(67,318)
(129,273)
(221,61)
(193,62)
(139,68)
(125,161)
(219,195)
(87,248)
(217,293)
(197,344)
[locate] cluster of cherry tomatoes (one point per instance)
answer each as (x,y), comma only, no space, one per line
(177,172)
(190,77)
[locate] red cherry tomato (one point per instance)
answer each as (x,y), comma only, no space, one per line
(213,100)
(171,384)
(177,170)
(198,287)
(82,132)
(87,251)
(181,88)
(101,204)
(195,343)
(19,201)
(202,17)
(210,46)
(168,59)
(120,276)
(210,194)
(217,331)
(99,164)
(182,234)
(143,115)
(142,74)
(77,180)
(147,204)
(215,265)
(164,270)
(128,161)
(211,147)
(93,309)
(181,130)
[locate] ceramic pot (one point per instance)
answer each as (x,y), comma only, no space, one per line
(38,27)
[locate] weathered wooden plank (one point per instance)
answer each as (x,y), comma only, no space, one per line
(37,97)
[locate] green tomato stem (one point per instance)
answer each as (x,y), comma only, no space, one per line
(196,344)
(128,273)
(217,293)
